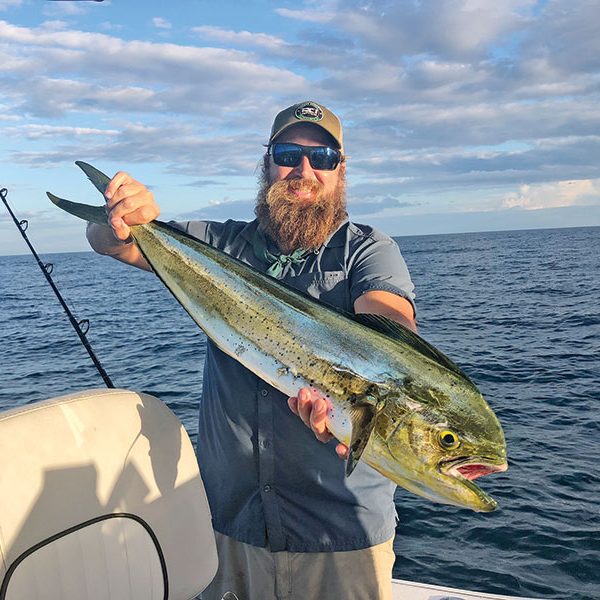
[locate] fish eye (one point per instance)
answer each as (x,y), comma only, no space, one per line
(448,440)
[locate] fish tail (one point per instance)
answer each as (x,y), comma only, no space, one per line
(98,178)
(94,214)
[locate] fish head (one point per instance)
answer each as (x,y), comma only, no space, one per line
(436,441)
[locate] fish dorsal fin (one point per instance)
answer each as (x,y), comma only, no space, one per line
(396,331)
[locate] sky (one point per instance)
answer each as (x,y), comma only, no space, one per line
(459,115)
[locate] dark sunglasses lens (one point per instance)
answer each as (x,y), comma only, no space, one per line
(321,158)
(324,158)
(287,155)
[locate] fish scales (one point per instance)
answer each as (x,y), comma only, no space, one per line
(259,323)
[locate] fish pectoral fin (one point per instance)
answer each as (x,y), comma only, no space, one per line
(363,419)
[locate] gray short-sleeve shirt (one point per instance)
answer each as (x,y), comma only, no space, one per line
(269,481)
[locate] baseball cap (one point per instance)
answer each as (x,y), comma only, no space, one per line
(308,112)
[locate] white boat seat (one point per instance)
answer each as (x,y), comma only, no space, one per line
(101,499)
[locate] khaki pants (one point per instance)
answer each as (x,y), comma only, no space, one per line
(258,574)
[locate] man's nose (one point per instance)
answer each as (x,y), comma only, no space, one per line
(304,170)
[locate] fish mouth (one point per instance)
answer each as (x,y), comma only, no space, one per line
(465,470)
(472,467)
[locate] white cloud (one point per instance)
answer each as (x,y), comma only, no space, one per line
(5,113)
(8,4)
(80,71)
(109,26)
(175,145)
(220,210)
(566,35)
(161,23)
(246,38)
(97,54)
(378,205)
(54,97)
(447,27)
(55,25)
(65,8)
(36,132)
(553,195)
(311,16)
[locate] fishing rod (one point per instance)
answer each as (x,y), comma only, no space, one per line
(81,327)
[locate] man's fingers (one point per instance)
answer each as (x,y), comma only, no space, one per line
(293,404)
(119,194)
(311,407)
(120,229)
(135,211)
(128,202)
(144,214)
(318,420)
(304,405)
(121,204)
(342,451)
(119,179)
(132,189)
(121,225)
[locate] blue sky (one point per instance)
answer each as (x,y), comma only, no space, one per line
(460,115)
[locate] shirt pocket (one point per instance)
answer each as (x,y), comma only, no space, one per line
(330,287)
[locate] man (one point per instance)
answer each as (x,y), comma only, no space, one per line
(288,523)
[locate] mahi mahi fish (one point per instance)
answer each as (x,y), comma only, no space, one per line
(397,402)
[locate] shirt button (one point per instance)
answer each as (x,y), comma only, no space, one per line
(264,392)
(267,488)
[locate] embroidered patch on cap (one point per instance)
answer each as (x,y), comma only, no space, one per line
(309,111)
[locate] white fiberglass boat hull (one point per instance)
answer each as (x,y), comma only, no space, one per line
(410,590)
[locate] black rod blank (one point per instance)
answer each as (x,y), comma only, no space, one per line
(81,327)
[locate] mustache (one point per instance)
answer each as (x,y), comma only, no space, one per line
(291,186)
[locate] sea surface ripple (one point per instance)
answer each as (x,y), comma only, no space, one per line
(519,311)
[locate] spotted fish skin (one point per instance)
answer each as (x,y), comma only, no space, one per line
(398,403)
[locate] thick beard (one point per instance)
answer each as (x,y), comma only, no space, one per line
(292,224)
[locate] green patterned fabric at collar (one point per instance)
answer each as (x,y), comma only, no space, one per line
(277,263)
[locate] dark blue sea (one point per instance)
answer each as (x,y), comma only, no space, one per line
(519,311)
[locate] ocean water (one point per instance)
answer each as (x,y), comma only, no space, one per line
(519,311)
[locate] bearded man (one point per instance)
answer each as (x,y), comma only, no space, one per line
(288,523)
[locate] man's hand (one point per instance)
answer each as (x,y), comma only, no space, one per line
(311,407)
(128,202)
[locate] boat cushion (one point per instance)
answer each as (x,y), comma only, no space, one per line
(101,499)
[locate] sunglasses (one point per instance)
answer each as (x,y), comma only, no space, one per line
(321,158)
